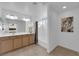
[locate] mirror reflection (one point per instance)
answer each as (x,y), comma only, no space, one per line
(11,22)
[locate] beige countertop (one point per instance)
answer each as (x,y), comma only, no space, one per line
(13,34)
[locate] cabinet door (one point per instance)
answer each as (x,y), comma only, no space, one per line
(31,39)
(0,46)
(6,45)
(18,42)
(25,40)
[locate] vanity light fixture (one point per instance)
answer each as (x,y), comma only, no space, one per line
(11,17)
(15,17)
(26,19)
(7,16)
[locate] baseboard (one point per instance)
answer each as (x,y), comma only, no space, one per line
(51,49)
(68,48)
(43,44)
(46,46)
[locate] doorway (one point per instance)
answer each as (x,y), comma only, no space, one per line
(42,32)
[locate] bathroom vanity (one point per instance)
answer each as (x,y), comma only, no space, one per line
(9,42)
(15,32)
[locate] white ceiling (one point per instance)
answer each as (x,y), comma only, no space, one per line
(57,6)
(22,7)
(31,9)
(27,7)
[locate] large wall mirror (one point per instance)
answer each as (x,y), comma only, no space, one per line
(14,22)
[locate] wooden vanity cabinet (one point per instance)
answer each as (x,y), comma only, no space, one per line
(25,40)
(17,42)
(13,42)
(28,39)
(0,46)
(31,39)
(6,44)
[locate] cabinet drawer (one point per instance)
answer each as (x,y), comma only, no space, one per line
(4,38)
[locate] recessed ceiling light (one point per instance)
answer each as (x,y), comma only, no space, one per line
(26,19)
(64,7)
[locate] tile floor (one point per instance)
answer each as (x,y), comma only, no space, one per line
(32,50)
(61,51)
(36,50)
